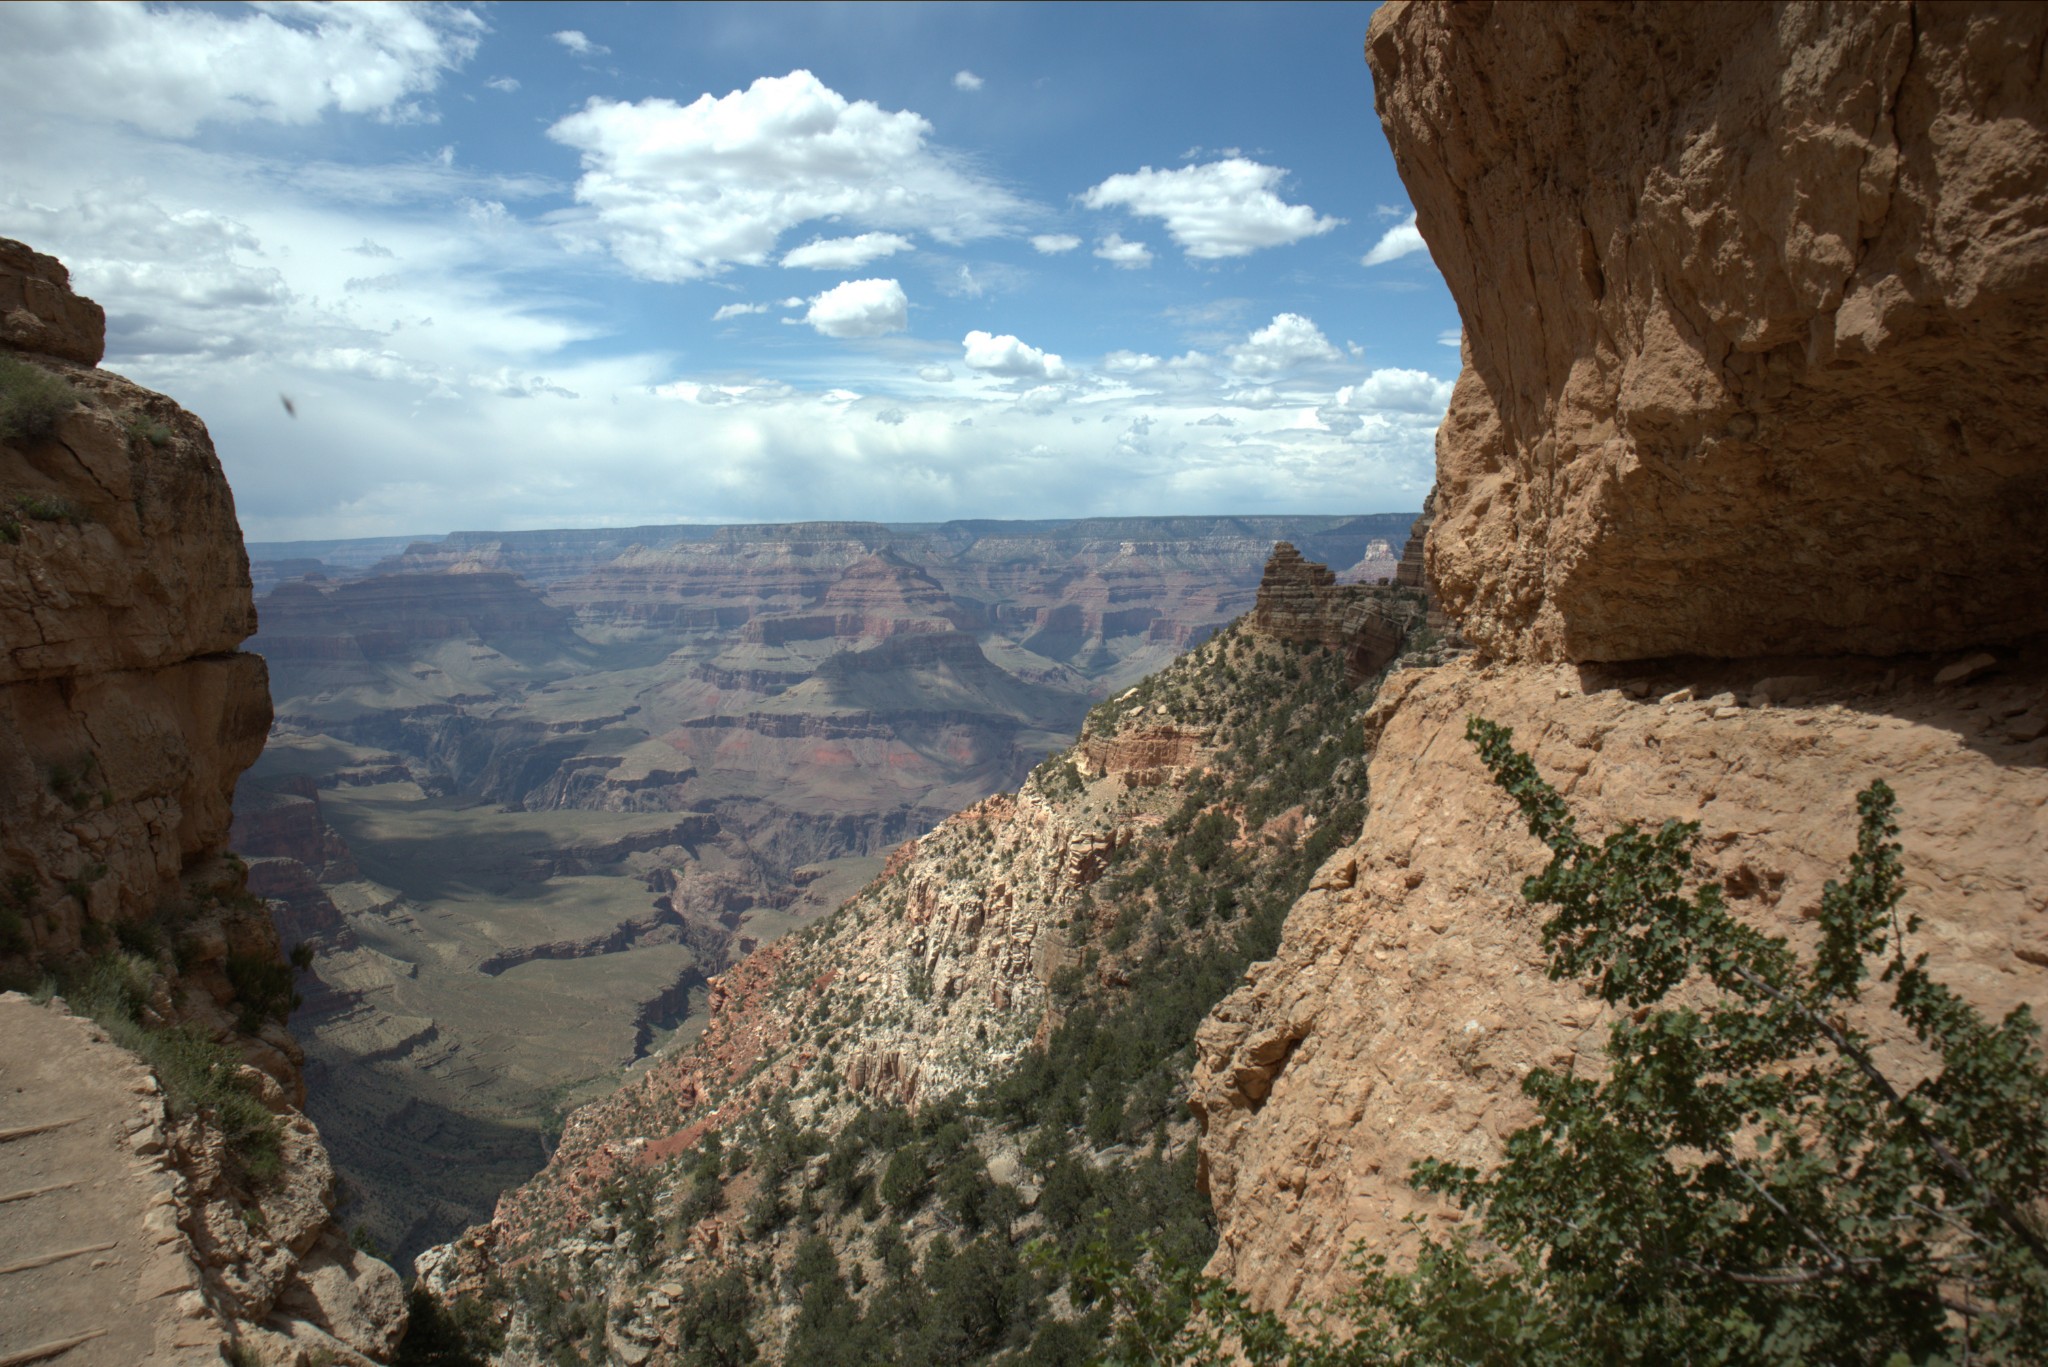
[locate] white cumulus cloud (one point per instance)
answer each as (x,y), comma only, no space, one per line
(574,40)
(1129,362)
(503,84)
(1282,344)
(1129,256)
(1007,356)
(967,80)
(1215,210)
(1403,239)
(737,311)
(1397,390)
(167,71)
(845,253)
(860,308)
(1052,244)
(678,192)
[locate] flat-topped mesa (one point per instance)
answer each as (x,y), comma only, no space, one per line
(1302,602)
(1752,361)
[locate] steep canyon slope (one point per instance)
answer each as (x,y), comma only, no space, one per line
(164,1207)
(1741,501)
(526,791)
(987,1045)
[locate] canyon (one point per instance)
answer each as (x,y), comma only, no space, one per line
(1736,510)
(896,900)
(526,792)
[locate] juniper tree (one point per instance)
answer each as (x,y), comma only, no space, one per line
(1748,1182)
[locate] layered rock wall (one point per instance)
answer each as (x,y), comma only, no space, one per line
(1751,296)
(1748,294)
(127,712)
(124,594)
(1302,602)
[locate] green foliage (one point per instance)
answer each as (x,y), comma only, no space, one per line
(199,1076)
(1752,1181)
(711,1321)
(629,1194)
(31,400)
(459,1333)
(142,427)
(263,990)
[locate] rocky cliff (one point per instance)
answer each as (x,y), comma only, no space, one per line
(1740,498)
(129,712)
(1748,293)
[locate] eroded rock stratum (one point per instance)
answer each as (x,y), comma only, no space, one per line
(1751,297)
(137,1227)
(1745,459)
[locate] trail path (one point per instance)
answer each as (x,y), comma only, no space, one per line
(93,1267)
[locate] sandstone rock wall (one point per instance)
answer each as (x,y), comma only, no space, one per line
(1409,995)
(127,712)
(1747,294)
(1751,296)
(1302,602)
(124,594)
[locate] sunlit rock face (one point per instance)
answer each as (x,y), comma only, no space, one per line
(1751,298)
(1745,454)
(128,710)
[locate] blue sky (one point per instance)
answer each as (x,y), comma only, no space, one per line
(528,266)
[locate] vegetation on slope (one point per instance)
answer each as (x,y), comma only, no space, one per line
(821,1228)
(1754,1180)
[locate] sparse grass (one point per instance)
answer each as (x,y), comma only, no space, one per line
(31,400)
(142,427)
(15,508)
(199,1076)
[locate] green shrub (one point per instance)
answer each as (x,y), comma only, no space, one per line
(199,1076)
(31,400)
(459,1333)
(142,427)
(263,990)
(1752,1180)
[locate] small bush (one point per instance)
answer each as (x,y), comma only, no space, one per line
(142,427)
(199,1076)
(31,400)
(263,990)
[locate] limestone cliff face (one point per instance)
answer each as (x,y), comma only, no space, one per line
(127,712)
(124,594)
(1746,294)
(1750,295)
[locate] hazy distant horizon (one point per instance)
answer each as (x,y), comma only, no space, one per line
(305,546)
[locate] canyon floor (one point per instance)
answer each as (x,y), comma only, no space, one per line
(527,792)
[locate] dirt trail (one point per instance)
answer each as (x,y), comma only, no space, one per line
(93,1267)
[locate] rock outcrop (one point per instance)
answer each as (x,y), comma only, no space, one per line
(127,712)
(1746,293)
(124,594)
(1302,602)
(1749,295)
